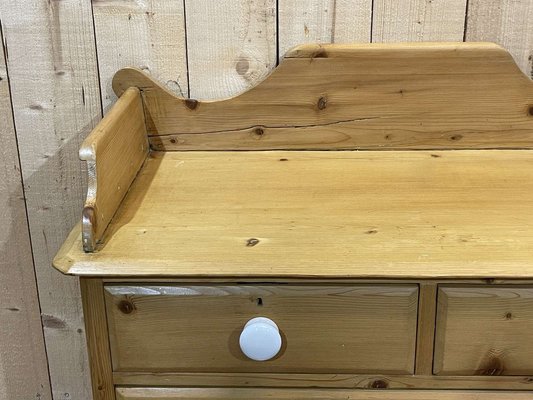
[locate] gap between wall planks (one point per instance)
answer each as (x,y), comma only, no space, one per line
(227,55)
(506,22)
(230,45)
(227,58)
(51,59)
(23,365)
(324,21)
(418,20)
(147,34)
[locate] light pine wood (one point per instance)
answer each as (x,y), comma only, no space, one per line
(359,328)
(368,96)
(418,20)
(23,365)
(427,306)
(310,394)
(323,21)
(114,151)
(147,34)
(314,280)
(56,101)
(484,331)
(53,61)
(230,45)
(348,381)
(97,338)
(440,214)
(503,22)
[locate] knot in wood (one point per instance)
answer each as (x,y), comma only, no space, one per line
(322,103)
(252,242)
(493,367)
(191,104)
(126,306)
(379,384)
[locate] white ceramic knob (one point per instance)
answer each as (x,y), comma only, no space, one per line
(260,339)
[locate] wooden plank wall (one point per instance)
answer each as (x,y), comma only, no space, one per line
(55,84)
(23,367)
(51,61)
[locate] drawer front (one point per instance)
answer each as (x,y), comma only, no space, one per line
(311,394)
(484,330)
(356,328)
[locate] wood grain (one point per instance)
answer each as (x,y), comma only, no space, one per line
(56,101)
(23,365)
(323,21)
(56,98)
(411,214)
(310,394)
(400,96)
(149,35)
(114,151)
(503,22)
(97,338)
(327,280)
(231,45)
(427,308)
(484,331)
(418,20)
(347,381)
(359,328)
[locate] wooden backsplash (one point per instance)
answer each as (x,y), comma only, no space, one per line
(56,65)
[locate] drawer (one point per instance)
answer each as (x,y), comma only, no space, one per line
(356,328)
(484,330)
(311,394)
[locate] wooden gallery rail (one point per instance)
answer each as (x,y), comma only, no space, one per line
(405,266)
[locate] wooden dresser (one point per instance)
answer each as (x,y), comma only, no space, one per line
(373,204)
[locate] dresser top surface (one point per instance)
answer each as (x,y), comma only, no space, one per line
(390,214)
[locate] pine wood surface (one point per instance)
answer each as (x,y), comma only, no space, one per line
(484,331)
(53,54)
(92,292)
(377,96)
(346,381)
(310,394)
(343,328)
(427,305)
(114,151)
(320,214)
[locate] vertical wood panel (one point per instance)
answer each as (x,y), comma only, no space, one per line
(231,45)
(323,21)
(92,291)
(427,309)
(148,34)
(484,330)
(418,20)
(56,101)
(506,22)
(23,366)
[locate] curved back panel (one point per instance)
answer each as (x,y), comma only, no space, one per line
(371,96)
